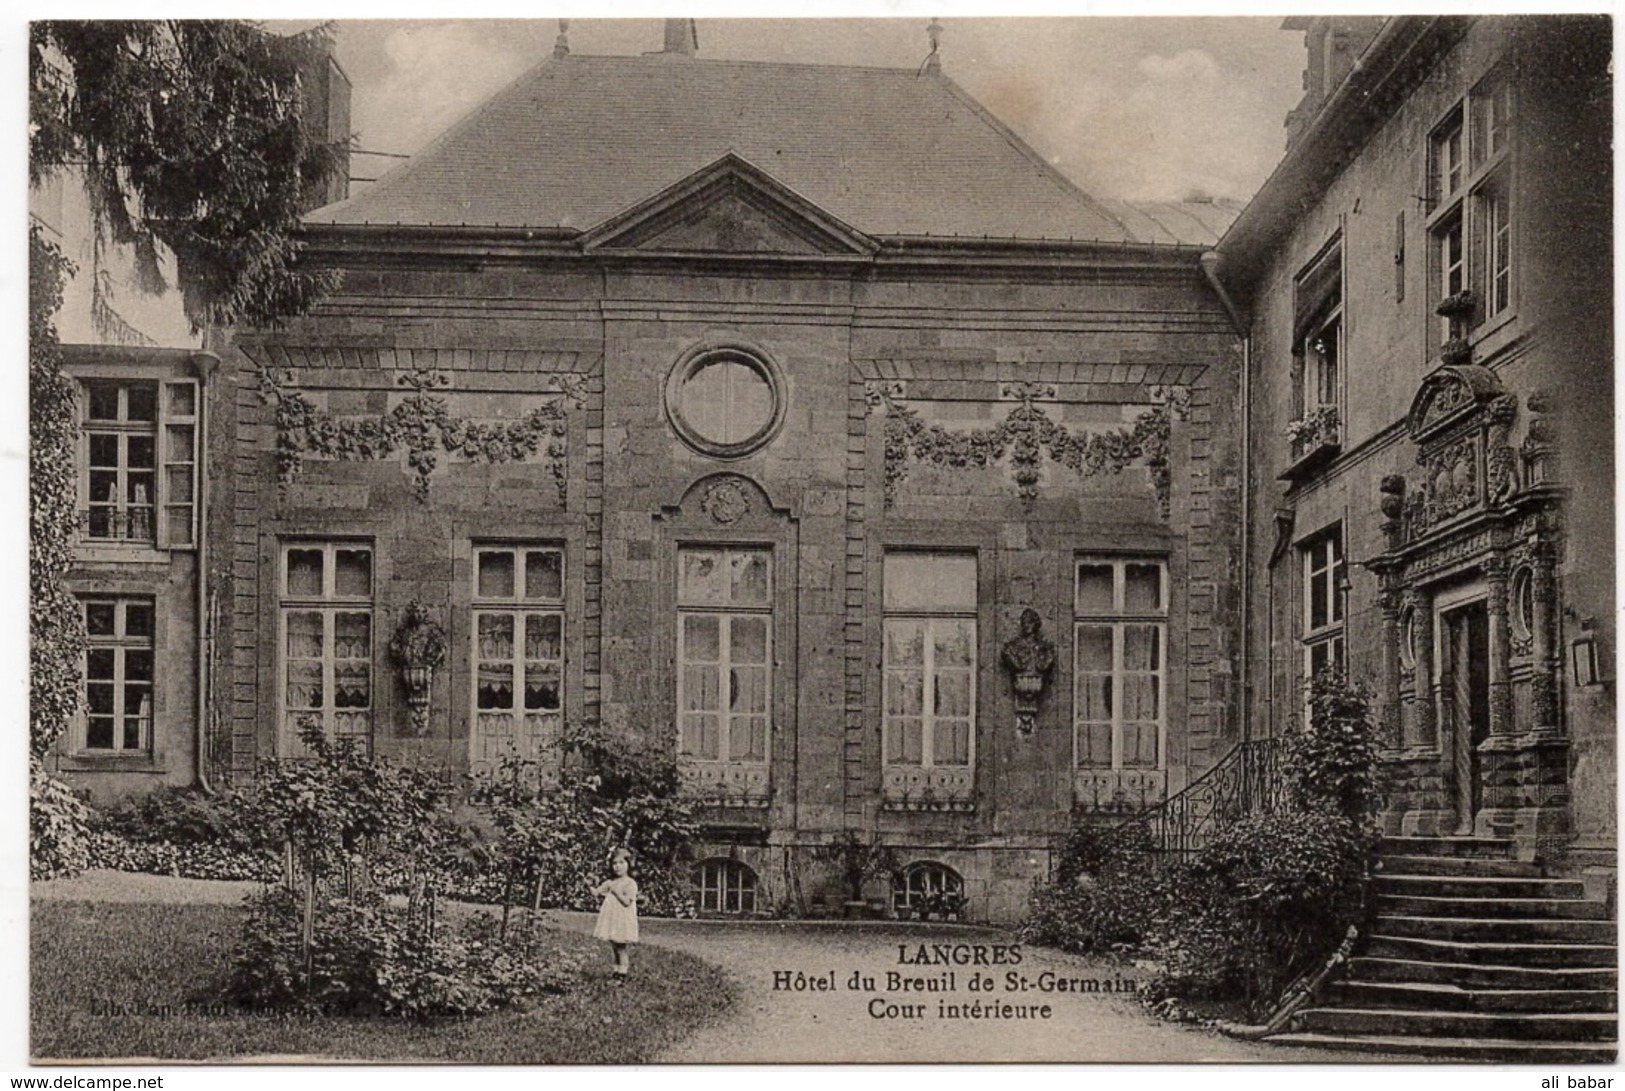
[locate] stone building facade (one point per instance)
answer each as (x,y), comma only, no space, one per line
(1428,280)
(802,419)
(756,412)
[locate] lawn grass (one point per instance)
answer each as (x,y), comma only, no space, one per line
(139,980)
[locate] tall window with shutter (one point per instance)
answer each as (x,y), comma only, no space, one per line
(1323,578)
(138,477)
(1470,210)
(1317,348)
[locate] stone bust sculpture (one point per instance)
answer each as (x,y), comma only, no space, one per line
(1030,659)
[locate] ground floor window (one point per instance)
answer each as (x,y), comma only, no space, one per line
(724,886)
(929,659)
(327,641)
(927,888)
(1324,580)
(517,654)
(1120,635)
(118,674)
(724,653)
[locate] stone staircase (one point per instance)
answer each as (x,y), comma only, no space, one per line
(1472,955)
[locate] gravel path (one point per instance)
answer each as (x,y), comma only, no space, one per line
(838,1025)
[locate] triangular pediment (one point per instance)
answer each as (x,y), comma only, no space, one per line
(732,209)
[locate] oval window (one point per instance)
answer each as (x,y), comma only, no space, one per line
(1407,639)
(725,401)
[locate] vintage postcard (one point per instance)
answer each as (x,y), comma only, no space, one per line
(706,541)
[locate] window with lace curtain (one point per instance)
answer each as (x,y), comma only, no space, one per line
(929,659)
(724,653)
(517,654)
(1120,632)
(138,470)
(327,642)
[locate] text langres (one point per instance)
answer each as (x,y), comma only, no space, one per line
(959,954)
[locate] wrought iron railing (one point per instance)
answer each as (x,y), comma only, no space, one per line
(1247,780)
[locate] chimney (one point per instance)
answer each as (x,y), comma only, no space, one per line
(681,37)
(325,90)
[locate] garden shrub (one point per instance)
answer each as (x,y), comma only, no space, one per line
(188,816)
(331,938)
(1269,897)
(1262,903)
(185,832)
(368,957)
(856,860)
(1110,893)
(614,792)
(58,826)
(189,860)
(1091,848)
(1331,762)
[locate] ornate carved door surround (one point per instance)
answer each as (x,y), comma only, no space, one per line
(1477,512)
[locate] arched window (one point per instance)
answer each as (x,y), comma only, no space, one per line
(927,888)
(724,886)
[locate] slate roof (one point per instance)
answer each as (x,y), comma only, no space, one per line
(1188,223)
(890,152)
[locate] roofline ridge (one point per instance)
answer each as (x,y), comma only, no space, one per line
(1066,184)
(743,62)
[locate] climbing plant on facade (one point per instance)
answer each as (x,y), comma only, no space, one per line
(1027,435)
(55,623)
(421,424)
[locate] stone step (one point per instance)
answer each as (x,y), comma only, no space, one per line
(1432,996)
(1492,954)
(1448,865)
(1414,905)
(1461,1049)
(1469,976)
(1566,1027)
(1478,886)
(1492,930)
(1491,848)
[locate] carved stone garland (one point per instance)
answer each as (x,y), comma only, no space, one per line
(421,424)
(1026,435)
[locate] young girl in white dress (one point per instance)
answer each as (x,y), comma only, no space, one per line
(618,915)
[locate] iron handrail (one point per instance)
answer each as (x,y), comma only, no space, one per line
(1246,780)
